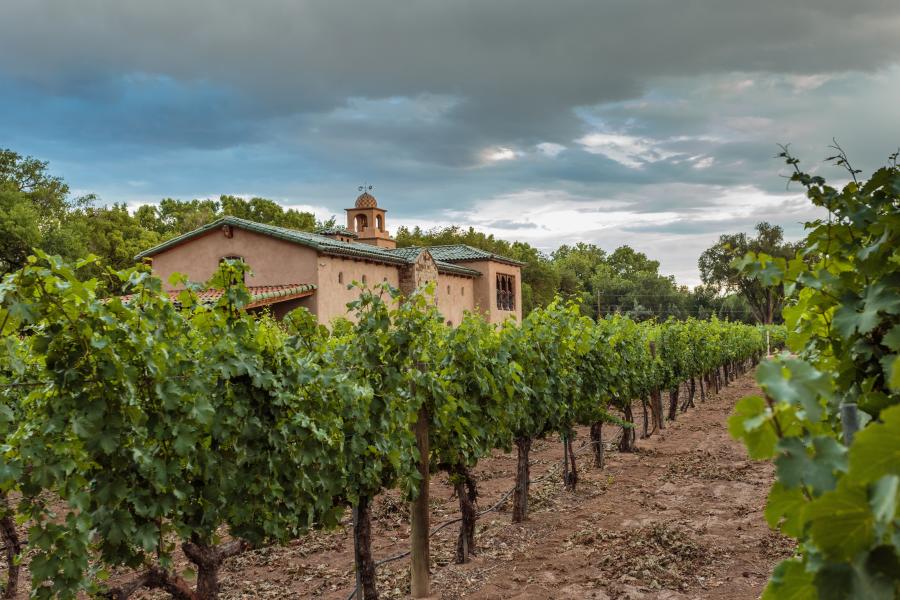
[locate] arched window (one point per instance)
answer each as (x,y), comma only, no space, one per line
(341,277)
(448,289)
(362,222)
(462,291)
(364,279)
(506,292)
(379,222)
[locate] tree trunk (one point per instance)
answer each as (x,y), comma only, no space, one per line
(420,576)
(154,578)
(11,547)
(520,493)
(570,471)
(208,560)
(692,393)
(472,491)
(465,490)
(673,403)
(626,443)
(656,398)
(362,548)
(597,440)
(702,389)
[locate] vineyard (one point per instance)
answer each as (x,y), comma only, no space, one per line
(132,426)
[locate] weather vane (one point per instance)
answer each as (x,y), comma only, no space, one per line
(366,187)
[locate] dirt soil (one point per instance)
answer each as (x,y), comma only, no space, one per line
(682,517)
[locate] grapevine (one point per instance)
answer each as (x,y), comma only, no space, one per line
(838,489)
(153,425)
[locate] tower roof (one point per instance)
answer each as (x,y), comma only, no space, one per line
(366,200)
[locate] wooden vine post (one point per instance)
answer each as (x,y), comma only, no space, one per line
(656,397)
(420,578)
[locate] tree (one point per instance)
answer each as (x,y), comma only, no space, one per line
(112,233)
(19,230)
(173,217)
(33,210)
(267,211)
(717,268)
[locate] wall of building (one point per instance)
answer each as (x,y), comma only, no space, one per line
(277,262)
(485,291)
(455,295)
(332,296)
(272,261)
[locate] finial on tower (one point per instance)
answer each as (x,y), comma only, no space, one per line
(365,199)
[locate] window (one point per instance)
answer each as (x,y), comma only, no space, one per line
(506,292)
(364,280)
(379,222)
(462,291)
(362,222)
(448,290)
(239,258)
(341,277)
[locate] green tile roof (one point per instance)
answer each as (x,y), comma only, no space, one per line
(321,243)
(462,252)
(409,252)
(336,230)
(449,267)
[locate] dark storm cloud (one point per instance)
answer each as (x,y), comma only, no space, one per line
(648,122)
(518,67)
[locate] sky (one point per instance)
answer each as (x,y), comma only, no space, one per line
(652,123)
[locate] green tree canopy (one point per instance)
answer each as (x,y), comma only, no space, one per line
(717,268)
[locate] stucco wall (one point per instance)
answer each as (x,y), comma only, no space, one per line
(276,262)
(486,289)
(272,261)
(333,296)
(455,301)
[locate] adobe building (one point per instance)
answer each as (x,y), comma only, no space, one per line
(292,268)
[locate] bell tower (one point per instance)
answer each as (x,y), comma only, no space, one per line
(367,221)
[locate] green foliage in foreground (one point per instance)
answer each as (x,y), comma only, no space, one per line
(129,427)
(840,499)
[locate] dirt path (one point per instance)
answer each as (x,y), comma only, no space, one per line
(680,518)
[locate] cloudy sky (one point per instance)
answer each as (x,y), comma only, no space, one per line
(647,122)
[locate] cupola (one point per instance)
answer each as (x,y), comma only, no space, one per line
(367,220)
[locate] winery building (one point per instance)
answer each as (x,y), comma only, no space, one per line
(290,269)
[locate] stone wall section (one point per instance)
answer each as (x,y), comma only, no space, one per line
(420,273)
